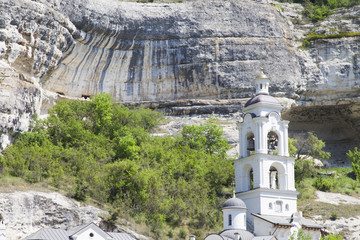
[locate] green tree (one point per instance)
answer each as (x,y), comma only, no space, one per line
(102,107)
(300,235)
(354,157)
(207,137)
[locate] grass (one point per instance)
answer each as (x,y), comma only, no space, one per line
(315,36)
(342,182)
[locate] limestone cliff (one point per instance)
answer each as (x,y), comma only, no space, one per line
(170,53)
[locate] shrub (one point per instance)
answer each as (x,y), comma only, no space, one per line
(323,184)
(333,216)
(354,157)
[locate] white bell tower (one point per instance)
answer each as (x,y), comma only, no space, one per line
(264,172)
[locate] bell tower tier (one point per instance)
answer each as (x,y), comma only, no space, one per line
(264,172)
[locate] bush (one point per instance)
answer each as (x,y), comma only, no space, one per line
(354,157)
(323,184)
(333,216)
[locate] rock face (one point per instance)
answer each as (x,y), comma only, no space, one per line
(27,212)
(169,53)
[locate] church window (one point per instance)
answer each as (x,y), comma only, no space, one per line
(260,85)
(274,178)
(272,143)
(287,207)
(250,144)
(270,205)
(251,175)
(278,206)
(230,220)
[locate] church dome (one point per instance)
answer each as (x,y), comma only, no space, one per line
(231,234)
(262,98)
(234,203)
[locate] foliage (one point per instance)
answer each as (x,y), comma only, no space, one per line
(300,235)
(101,150)
(354,157)
(332,237)
(323,184)
(311,146)
(333,216)
(315,36)
(304,168)
(318,10)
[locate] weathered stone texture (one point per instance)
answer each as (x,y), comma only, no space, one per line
(26,212)
(160,52)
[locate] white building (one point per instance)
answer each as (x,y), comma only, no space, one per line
(84,232)
(264,176)
(2,230)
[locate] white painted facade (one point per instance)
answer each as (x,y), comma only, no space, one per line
(264,175)
(234,218)
(91,232)
(2,230)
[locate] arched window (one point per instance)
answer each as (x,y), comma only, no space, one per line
(250,143)
(260,85)
(230,220)
(274,178)
(287,207)
(251,176)
(270,205)
(277,176)
(273,140)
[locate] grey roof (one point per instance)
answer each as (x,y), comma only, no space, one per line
(230,234)
(234,203)
(61,234)
(309,223)
(279,220)
(287,221)
(264,238)
(263,98)
(49,234)
(121,236)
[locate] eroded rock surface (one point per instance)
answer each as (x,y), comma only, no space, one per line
(171,53)
(27,212)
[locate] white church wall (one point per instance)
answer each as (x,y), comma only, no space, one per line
(262,228)
(238,219)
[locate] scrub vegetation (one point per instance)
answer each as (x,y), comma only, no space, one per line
(169,186)
(101,151)
(318,10)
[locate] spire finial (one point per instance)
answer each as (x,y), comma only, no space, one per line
(234,196)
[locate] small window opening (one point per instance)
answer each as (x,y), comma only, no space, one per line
(251,175)
(270,205)
(272,143)
(278,206)
(274,178)
(287,207)
(91,234)
(251,144)
(230,220)
(260,85)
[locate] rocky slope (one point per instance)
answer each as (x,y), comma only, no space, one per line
(26,212)
(170,53)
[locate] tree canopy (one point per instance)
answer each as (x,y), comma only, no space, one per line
(102,150)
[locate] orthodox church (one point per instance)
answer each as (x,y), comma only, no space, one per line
(265,203)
